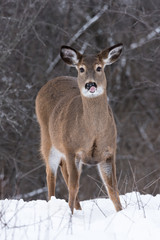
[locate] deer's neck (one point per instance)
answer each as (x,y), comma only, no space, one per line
(95,112)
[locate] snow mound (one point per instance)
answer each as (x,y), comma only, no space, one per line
(41,220)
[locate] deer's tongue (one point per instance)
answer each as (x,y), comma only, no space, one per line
(92,89)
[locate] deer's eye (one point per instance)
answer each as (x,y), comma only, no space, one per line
(99,69)
(81,69)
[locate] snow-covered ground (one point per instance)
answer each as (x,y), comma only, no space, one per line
(41,220)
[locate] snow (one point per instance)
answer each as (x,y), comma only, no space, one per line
(42,220)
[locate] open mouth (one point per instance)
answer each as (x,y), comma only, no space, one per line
(91,87)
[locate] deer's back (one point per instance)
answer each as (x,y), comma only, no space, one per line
(54,93)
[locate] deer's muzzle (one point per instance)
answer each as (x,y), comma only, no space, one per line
(91,86)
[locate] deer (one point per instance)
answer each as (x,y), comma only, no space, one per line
(77,124)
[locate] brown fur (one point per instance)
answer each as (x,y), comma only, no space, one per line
(81,128)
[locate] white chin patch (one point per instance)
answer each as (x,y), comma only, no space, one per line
(86,93)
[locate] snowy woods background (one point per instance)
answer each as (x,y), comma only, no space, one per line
(31,33)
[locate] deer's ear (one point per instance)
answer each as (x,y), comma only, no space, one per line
(110,55)
(70,55)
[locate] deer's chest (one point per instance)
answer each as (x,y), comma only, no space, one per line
(95,152)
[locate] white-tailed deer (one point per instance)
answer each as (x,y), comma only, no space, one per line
(77,124)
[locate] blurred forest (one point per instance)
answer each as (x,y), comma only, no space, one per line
(31,34)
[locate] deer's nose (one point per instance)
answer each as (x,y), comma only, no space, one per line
(90,84)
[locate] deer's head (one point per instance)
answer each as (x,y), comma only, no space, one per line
(91,76)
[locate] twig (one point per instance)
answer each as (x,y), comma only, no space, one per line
(77,35)
(145,137)
(151,183)
(32,194)
(144,40)
(20,35)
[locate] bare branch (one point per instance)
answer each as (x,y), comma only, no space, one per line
(31,194)
(77,35)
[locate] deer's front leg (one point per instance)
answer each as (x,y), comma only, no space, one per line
(108,174)
(73,182)
(65,176)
